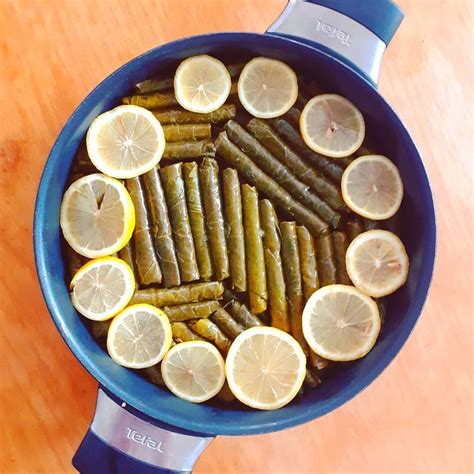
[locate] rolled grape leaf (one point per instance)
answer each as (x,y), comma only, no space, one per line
(173,185)
(309,270)
(294,286)
(210,331)
(187,132)
(152,100)
(226,323)
(197,219)
(179,116)
(161,229)
(186,312)
(254,255)
(326,260)
(147,265)
(234,229)
(274,268)
(211,197)
(193,293)
(341,243)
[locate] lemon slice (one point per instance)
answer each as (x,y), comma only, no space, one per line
(340,323)
(102,287)
(267,88)
(332,126)
(139,336)
(97,216)
(371,186)
(377,262)
(202,84)
(265,368)
(193,371)
(125,142)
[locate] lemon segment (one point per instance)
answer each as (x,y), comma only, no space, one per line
(125,142)
(97,216)
(194,371)
(332,126)
(101,288)
(267,88)
(139,336)
(340,323)
(202,84)
(265,368)
(372,187)
(377,262)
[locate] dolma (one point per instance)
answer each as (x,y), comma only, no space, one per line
(154,85)
(208,330)
(197,220)
(178,116)
(293,138)
(242,314)
(341,243)
(272,190)
(187,132)
(279,172)
(254,255)
(209,179)
(234,229)
(161,228)
(173,185)
(311,379)
(353,228)
(189,149)
(185,312)
(226,323)
(326,261)
(292,272)
(153,374)
(127,255)
(193,293)
(321,185)
(273,266)
(182,333)
(309,270)
(148,268)
(152,100)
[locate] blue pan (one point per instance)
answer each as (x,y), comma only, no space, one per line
(139,428)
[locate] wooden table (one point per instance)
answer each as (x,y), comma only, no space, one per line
(417,417)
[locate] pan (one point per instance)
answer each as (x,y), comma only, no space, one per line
(140,428)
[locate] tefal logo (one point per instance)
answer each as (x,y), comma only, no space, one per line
(333,32)
(140,438)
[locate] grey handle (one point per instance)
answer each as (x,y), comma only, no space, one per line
(119,441)
(355,31)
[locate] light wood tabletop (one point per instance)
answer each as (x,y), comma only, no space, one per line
(416,417)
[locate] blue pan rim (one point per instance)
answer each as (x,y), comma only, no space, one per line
(211,427)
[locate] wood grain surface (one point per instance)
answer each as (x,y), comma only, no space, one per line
(416,417)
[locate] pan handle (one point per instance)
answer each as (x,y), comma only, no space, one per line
(355,31)
(121,440)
